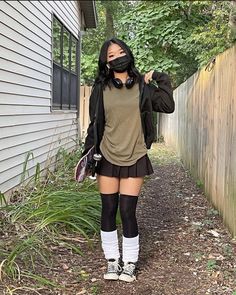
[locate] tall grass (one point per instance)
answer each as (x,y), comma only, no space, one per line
(46,211)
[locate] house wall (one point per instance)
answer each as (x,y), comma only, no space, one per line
(27,123)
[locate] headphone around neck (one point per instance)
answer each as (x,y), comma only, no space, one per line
(119,84)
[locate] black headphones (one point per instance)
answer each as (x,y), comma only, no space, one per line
(119,84)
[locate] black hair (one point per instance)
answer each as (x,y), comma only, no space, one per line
(105,75)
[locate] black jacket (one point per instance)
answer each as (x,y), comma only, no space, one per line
(152,98)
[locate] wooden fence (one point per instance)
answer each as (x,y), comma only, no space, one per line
(203,131)
(85,92)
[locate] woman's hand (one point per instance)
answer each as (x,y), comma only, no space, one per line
(148,77)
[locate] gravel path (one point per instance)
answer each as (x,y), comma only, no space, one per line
(185,248)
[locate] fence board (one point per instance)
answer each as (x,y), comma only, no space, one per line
(85,92)
(203,131)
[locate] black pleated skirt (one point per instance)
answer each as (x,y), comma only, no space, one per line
(141,168)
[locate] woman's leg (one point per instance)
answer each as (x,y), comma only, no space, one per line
(129,191)
(108,187)
(131,185)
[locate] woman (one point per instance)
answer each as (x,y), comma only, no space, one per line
(121,105)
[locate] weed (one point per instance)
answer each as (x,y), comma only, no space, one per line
(228,250)
(41,280)
(43,213)
(83,275)
(13,269)
(162,155)
(207,222)
(211,264)
(37,175)
(200,184)
(212,212)
(160,139)
(12,291)
(198,226)
(24,249)
(94,290)
(3,201)
(27,159)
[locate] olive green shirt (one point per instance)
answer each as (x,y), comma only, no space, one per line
(123,140)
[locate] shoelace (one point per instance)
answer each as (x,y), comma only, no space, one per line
(129,269)
(113,266)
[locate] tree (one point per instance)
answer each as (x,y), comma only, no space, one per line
(109,13)
(110,7)
(232,21)
(177,37)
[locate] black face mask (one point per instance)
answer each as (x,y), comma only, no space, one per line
(120,64)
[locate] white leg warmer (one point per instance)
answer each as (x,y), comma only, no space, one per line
(130,249)
(110,244)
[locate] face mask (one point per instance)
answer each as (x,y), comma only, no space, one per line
(120,64)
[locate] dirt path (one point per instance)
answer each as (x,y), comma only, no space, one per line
(185,248)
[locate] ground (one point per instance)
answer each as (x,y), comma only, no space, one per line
(185,247)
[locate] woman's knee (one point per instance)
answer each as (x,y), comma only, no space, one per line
(109,210)
(110,203)
(128,215)
(128,205)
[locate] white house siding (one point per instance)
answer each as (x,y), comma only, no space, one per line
(27,123)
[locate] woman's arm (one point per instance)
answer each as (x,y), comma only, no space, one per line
(162,96)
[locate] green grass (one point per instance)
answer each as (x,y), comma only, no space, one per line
(51,210)
(211,264)
(212,212)
(46,212)
(200,184)
(160,154)
(40,280)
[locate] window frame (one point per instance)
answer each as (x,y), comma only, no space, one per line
(69,107)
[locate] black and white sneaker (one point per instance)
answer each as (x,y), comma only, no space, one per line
(113,270)
(128,272)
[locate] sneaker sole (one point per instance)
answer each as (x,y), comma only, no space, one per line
(127,278)
(111,276)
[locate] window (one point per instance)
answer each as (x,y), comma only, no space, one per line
(65,68)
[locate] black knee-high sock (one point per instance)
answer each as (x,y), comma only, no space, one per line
(128,215)
(109,210)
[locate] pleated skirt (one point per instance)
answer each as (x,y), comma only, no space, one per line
(141,168)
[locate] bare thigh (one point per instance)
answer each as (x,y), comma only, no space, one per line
(108,185)
(131,186)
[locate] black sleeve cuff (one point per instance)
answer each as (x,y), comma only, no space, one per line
(154,75)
